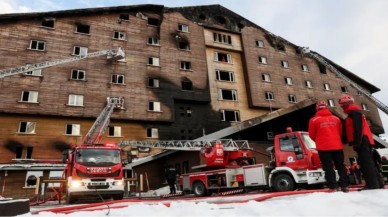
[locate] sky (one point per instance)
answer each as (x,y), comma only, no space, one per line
(354,203)
(351,33)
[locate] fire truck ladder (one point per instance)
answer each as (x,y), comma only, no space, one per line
(189,145)
(320,59)
(97,130)
(112,55)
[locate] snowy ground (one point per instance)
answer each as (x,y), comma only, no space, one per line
(364,203)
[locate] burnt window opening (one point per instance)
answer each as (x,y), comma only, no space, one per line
(222,75)
(230,115)
(221,19)
(49,23)
(18,152)
(124,16)
(153,82)
(187,84)
(344,89)
(153,22)
(322,68)
(82,28)
(29,152)
(185,65)
(269,96)
(184,45)
(280,47)
(225,94)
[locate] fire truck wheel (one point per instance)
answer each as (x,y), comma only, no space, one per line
(199,189)
(283,182)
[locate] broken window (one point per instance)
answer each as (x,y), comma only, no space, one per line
(225,94)
(153,82)
(222,57)
(29,96)
(322,68)
(124,16)
(222,75)
(269,96)
(187,84)
(185,65)
(29,152)
(77,74)
(18,152)
(49,23)
(344,89)
(27,127)
(82,28)
(266,77)
(280,47)
(183,45)
(222,38)
(37,45)
(119,35)
(230,115)
(153,21)
(73,129)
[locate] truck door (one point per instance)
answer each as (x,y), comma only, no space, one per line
(290,153)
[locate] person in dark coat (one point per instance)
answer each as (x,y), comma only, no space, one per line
(326,130)
(359,136)
(171,178)
(378,162)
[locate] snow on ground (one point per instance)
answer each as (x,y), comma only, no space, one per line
(364,203)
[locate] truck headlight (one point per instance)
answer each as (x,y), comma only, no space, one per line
(315,174)
(75,184)
(119,183)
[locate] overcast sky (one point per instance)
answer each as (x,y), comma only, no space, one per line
(352,33)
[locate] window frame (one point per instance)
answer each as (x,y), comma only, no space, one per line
(121,36)
(218,55)
(155,82)
(270,96)
(236,114)
(153,41)
(154,106)
(153,60)
(326,87)
(289,81)
(75,129)
(222,38)
(305,68)
(36,47)
(117,130)
(219,75)
(83,51)
(185,65)
(27,131)
(266,77)
(78,72)
(285,64)
(80,25)
(263,60)
(364,107)
(308,84)
(259,43)
(233,94)
(75,98)
(183,28)
(31,95)
(119,77)
(152,132)
(331,103)
(292,98)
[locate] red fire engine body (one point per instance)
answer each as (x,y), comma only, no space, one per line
(294,163)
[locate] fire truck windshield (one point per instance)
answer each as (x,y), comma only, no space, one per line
(98,157)
(310,144)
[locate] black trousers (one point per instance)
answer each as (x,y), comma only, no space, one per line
(367,166)
(171,183)
(327,160)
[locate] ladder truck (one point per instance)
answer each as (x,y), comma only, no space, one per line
(229,165)
(91,168)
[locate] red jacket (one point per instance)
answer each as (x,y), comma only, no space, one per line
(326,129)
(356,126)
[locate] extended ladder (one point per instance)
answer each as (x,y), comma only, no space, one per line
(320,59)
(112,55)
(189,145)
(97,130)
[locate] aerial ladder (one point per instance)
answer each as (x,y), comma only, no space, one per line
(112,55)
(321,60)
(98,128)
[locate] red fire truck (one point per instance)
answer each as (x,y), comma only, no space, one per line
(294,163)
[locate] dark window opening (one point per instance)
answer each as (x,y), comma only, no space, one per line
(81,28)
(229,95)
(124,17)
(281,47)
(184,45)
(48,23)
(69,129)
(322,69)
(344,89)
(153,22)
(230,115)
(29,152)
(221,19)
(18,152)
(187,85)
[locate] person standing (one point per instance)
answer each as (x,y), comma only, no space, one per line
(171,178)
(326,130)
(359,136)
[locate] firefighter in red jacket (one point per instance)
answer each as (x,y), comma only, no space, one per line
(360,137)
(326,130)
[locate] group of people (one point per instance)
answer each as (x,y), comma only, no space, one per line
(327,130)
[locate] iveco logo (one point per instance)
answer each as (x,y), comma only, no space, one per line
(98,170)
